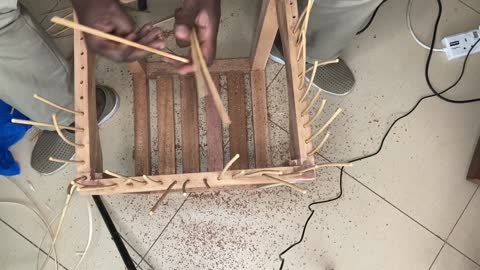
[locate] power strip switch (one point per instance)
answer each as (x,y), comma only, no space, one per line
(458,45)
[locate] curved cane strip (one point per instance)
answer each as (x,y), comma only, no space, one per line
(205,181)
(151,179)
(184,187)
(127,179)
(59,132)
(339,110)
(241,173)
(315,65)
(335,61)
(66,161)
(311,153)
(262,172)
(40,124)
(309,106)
(155,206)
(288,184)
(317,114)
(70,190)
(229,164)
(56,105)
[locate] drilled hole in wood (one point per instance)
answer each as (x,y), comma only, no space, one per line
(82,67)
(81,38)
(81,82)
(81,53)
(81,97)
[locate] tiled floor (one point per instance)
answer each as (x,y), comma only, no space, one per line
(407,208)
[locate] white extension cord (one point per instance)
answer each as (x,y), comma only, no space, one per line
(454,46)
(458,45)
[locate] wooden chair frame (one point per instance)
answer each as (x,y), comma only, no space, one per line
(275,14)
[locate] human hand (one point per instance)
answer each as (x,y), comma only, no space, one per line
(108,16)
(204,15)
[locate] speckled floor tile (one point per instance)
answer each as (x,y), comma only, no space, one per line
(427,154)
(449,259)
(237,229)
(248,229)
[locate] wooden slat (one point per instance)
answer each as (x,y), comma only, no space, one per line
(196,182)
(287,17)
(85,101)
(141,152)
(260,121)
(266,31)
(237,112)
(189,109)
(214,132)
(166,128)
(155,69)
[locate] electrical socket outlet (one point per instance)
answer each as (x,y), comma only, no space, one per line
(458,45)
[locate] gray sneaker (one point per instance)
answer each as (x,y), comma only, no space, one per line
(49,144)
(336,79)
(276,54)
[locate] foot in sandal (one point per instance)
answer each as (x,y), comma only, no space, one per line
(336,79)
(49,144)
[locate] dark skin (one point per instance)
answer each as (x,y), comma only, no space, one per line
(108,16)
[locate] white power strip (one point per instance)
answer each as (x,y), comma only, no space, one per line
(458,45)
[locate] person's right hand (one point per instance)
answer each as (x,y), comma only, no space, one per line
(108,16)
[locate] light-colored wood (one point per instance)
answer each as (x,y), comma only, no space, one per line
(141,152)
(317,113)
(85,100)
(260,121)
(111,37)
(40,124)
(287,17)
(238,112)
(196,183)
(324,140)
(60,134)
(166,126)
(209,82)
(189,108)
(155,69)
(138,66)
(56,105)
(266,31)
(155,206)
(320,130)
(199,67)
(214,132)
(64,160)
(285,182)
(310,83)
(228,166)
(311,102)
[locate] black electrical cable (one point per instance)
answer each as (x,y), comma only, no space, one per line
(116,237)
(427,66)
(383,139)
(371,18)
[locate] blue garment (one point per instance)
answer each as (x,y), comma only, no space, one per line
(10,133)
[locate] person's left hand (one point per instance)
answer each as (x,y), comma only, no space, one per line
(204,15)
